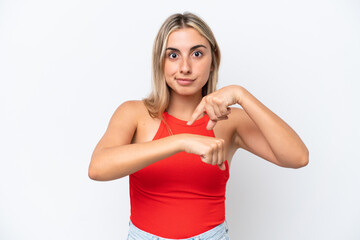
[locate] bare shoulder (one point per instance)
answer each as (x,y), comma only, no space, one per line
(130,109)
(131,112)
(122,125)
(147,126)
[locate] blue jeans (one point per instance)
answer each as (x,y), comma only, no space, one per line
(219,232)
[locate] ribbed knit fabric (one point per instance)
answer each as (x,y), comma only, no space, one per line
(180,196)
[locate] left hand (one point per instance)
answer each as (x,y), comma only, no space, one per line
(216,105)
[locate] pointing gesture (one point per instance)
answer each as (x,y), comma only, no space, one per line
(216,105)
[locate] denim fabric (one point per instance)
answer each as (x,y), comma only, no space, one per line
(219,232)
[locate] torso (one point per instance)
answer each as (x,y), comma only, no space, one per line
(181,191)
(148,126)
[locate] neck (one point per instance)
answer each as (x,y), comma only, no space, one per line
(183,107)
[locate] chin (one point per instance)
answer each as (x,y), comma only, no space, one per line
(186,91)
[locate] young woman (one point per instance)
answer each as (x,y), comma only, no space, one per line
(177,145)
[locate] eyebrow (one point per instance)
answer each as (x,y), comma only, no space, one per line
(192,48)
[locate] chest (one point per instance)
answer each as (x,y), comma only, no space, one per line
(148,127)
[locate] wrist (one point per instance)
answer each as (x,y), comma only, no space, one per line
(240,94)
(181,141)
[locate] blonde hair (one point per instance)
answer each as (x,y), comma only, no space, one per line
(159,98)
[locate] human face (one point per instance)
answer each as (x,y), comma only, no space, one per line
(187,62)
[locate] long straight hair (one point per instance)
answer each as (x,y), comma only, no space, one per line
(159,98)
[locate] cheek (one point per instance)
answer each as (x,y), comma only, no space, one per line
(169,69)
(205,67)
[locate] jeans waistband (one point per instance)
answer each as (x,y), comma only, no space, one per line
(218,232)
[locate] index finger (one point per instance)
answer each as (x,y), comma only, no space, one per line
(197,113)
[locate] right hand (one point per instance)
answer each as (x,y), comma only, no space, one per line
(211,150)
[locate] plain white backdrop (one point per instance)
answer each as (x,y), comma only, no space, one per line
(65,66)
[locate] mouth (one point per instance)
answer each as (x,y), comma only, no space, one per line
(184,81)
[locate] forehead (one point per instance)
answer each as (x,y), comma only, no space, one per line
(186,38)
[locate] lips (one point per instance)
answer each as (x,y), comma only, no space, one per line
(184,81)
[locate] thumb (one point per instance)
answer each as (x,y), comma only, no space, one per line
(211,124)
(222,166)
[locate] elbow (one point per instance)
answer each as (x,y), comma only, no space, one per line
(302,160)
(299,161)
(93,173)
(97,175)
(100,173)
(95,170)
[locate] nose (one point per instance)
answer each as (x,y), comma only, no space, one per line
(185,66)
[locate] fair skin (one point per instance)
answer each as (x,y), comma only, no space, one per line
(127,145)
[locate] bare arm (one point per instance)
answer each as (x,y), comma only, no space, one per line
(258,129)
(116,157)
(120,161)
(278,141)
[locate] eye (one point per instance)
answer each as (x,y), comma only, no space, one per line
(172,55)
(197,54)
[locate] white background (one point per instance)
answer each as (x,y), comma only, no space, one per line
(65,66)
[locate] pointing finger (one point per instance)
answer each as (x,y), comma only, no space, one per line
(197,113)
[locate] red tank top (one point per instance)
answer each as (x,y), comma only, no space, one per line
(180,196)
